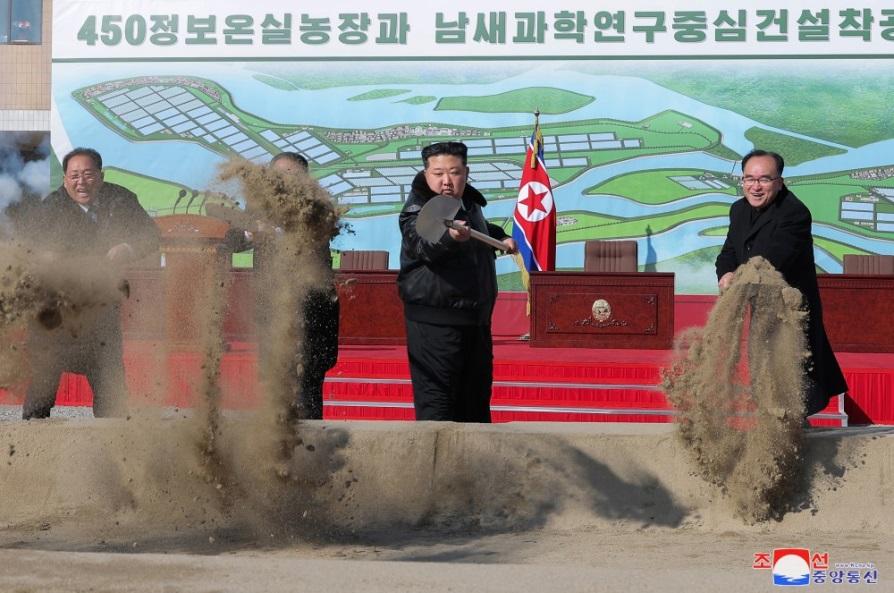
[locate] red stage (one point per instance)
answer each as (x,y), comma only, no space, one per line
(553,384)
(586,386)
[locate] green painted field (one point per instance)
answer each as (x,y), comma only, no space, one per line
(419,100)
(656,187)
(275,82)
(846,179)
(378,94)
(824,201)
(511,282)
(663,133)
(548,100)
(315,76)
(366,210)
(158,196)
(584,220)
(822,107)
(836,249)
(243,260)
(794,150)
(155,195)
(640,227)
(724,152)
(715,232)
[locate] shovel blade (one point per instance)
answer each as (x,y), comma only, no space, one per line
(430,220)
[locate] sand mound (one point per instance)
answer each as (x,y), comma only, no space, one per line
(85,485)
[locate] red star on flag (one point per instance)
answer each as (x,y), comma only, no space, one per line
(534,201)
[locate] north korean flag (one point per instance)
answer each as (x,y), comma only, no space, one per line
(534,228)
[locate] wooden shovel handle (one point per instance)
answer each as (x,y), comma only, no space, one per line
(480,236)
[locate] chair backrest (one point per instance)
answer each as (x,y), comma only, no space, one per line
(610,256)
(877,265)
(364,260)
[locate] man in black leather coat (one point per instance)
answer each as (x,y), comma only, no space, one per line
(449,289)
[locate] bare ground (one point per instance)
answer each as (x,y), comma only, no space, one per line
(121,505)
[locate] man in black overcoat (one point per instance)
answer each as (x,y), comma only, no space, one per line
(771,222)
(91,230)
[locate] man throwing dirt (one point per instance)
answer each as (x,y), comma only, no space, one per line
(771,222)
(87,230)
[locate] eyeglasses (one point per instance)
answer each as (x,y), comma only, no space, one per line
(761,180)
(87,175)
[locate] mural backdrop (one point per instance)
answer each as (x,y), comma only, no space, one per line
(646,107)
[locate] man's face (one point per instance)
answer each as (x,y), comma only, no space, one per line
(82,179)
(446,175)
(761,181)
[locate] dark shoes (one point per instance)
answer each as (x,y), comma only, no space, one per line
(35,413)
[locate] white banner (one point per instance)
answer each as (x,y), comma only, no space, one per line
(402,29)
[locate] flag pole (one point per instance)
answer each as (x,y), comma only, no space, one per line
(525,276)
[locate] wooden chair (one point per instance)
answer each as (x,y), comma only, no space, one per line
(610,256)
(876,265)
(364,260)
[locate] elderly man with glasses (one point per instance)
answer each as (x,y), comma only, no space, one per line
(771,222)
(86,230)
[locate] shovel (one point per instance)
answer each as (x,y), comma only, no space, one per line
(437,216)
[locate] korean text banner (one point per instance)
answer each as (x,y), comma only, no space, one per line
(228,28)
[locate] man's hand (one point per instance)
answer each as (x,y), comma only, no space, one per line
(511,245)
(460,232)
(120,253)
(725,281)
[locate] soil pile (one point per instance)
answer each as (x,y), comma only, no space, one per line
(739,386)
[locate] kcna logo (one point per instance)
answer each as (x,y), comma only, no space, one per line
(797,567)
(791,566)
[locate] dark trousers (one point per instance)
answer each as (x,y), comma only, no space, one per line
(94,350)
(815,400)
(320,352)
(451,367)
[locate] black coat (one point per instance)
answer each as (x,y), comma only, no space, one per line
(59,225)
(449,282)
(782,236)
(321,306)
